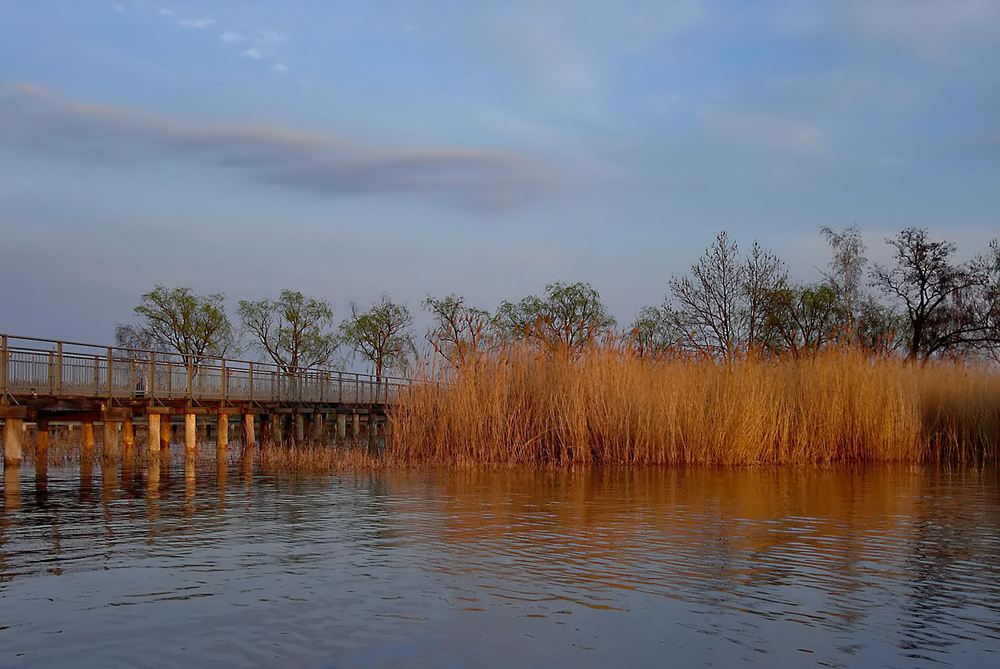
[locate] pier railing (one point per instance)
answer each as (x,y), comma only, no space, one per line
(59,368)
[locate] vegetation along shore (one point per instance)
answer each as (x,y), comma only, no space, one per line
(738,365)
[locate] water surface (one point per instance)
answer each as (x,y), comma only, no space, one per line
(198,564)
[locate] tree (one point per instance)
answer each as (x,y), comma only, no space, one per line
(722,307)
(569,317)
(460,331)
(382,334)
(942,313)
(292,330)
(194,326)
(803,319)
(654,332)
(846,271)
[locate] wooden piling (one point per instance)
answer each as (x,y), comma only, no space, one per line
(112,437)
(13,439)
(222,435)
(190,433)
(153,438)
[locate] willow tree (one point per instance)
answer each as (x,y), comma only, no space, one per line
(382,335)
(195,326)
(568,317)
(294,331)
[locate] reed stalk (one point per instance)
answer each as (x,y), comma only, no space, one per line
(607,406)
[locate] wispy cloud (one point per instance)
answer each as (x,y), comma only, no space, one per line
(196,23)
(323,164)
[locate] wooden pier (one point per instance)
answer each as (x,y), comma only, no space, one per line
(48,382)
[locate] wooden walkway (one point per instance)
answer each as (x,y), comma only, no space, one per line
(46,382)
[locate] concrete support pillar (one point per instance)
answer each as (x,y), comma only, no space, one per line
(276,429)
(265,429)
(300,428)
(112,439)
(318,423)
(153,439)
(87,436)
(249,438)
(165,433)
(342,426)
(13,439)
(222,436)
(128,434)
(42,442)
(356,425)
(190,433)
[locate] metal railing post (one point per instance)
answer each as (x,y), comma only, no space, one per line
(4,368)
(151,376)
(59,368)
(109,372)
(223,381)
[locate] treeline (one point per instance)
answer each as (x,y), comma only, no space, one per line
(731,305)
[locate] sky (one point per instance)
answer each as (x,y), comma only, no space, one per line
(347,149)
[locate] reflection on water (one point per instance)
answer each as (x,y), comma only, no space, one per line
(184,562)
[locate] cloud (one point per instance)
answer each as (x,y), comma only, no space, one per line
(230,37)
(770,130)
(196,23)
(32,117)
(253,52)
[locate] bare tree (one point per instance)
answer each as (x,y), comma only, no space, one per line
(722,306)
(846,271)
(938,295)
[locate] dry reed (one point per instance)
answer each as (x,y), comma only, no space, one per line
(607,406)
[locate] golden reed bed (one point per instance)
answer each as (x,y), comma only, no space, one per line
(609,407)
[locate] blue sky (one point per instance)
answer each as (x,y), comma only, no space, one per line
(415,147)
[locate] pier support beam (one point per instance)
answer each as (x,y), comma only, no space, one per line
(222,436)
(318,423)
(13,439)
(190,433)
(153,439)
(249,438)
(165,433)
(41,442)
(87,440)
(276,429)
(356,425)
(128,434)
(112,437)
(300,428)
(341,426)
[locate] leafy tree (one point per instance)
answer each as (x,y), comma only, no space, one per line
(942,314)
(654,332)
(292,330)
(382,334)
(803,319)
(722,307)
(194,326)
(569,317)
(459,331)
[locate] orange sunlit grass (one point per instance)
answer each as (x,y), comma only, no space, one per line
(607,406)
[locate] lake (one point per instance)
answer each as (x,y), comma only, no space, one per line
(197,564)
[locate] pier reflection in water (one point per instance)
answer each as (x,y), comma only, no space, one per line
(192,562)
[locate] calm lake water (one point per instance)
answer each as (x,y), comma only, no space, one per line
(198,565)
